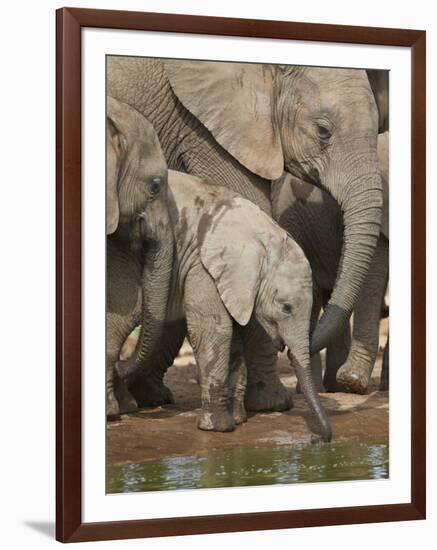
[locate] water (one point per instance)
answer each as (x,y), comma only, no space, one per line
(339,461)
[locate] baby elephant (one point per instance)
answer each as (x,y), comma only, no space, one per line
(233,261)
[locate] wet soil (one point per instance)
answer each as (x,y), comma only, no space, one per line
(170,431)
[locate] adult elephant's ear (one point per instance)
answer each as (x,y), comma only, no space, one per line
(233,255)
(234,101)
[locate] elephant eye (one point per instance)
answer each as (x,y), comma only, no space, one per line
(286,308)
(155,185)
(324,132)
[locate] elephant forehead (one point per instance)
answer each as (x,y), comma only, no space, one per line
(329,76)
(292,286)
(295,265)
(299,295)
(327,89)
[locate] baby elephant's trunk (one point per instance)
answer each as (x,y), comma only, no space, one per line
(300,360)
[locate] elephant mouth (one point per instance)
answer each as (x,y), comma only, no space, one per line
(279,345)
(307,174)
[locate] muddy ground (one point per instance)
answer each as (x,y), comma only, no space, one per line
(171,430)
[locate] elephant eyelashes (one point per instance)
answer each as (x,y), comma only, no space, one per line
(323,132)
(286,308)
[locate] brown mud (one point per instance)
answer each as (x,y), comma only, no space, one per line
(171,430)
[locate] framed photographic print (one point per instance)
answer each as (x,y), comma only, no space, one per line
(232,195)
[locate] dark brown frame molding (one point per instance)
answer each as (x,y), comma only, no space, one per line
(69,526)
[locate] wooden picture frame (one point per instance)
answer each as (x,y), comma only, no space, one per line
(69,524)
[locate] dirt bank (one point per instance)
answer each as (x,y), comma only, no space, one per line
(171,430)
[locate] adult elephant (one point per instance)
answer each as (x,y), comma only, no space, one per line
(240,125)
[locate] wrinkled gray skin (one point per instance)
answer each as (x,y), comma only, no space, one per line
(233,262)
(356,372)
(315,221)
(188,146)
(240,125)
(139,240)
(379,83)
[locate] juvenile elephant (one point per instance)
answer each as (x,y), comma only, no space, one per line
(139,239)
(234,262)
(239,125)
(315,221)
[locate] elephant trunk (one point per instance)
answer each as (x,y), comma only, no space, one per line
(156,283)
(361,205)
(300,360)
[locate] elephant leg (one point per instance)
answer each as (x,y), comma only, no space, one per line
(384,383)
(126,401)
(112,406)
(122,315)
(118,398)
(210,330)
(385,309)
(147,385)
(356,372)
(265,391)
(238,377)
(336,355)
(317,370)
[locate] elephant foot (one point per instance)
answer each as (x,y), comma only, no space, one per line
(240,415)
(354,378)
(263,396)
(216,421)
(112,408)
(126,401)
(149,392)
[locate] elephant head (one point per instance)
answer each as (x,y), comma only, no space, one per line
(136,167)
(259,269)
(318,124)
(137,206)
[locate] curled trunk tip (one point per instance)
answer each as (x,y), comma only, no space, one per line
(332,322)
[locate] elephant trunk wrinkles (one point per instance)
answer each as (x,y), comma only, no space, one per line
(362,210)
(156,282)
(300,360)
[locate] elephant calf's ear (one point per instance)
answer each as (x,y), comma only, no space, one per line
(112,174)
(232,255)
